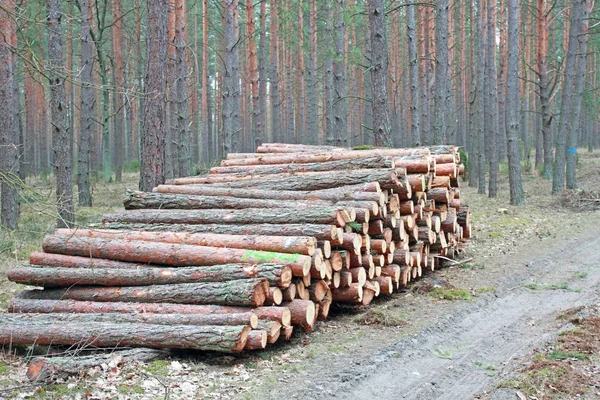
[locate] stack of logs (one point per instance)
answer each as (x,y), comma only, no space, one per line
(238,258)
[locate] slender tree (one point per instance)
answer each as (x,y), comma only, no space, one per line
(153,132)
(119,103)
(260,114)
(9,211)
(87,123)
(480,96)
(442,86)
(340,84)
(415,127)
(61,137)
(512,104)
(312,78)
(181,84)
(231,82)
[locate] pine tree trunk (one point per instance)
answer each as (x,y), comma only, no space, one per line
(276,126)
(512,105)
(340,85)
(118,112)
(152,171)
(480,97)
(9,210)
(182,133)
(261,105)
(491,118)
(61,137)
(442,86)
(415,127)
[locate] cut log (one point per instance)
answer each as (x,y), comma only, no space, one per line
(135,200)
(45,369)
(15,330)
(329,215)
(61,260)
(281,314)
(359,275)
(350,294)
(318,290)
(273,329)
(449,170)
(376,227)
(276,274)
(257,340)
(401,257)
(393,271)
(169,254)
(367,192)
(440,182)
(440,195)
(414,165)
(274,297)
(302,311)
(325,305)
(281,244)
(241,292)
(346,278)
(325,246)
(245,318)
(341,165)
(351,242)
(302,158)
(289,293)
(320,232)
(379,245)
(286,333)
(417,182)
(337,260)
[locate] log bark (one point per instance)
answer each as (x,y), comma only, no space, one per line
(320,232)
(350,294)
(60,260)
(368,192)
(302,311)
(145,200)
(341,165)
(15,330)
(281,314)
(300,244)
(273,329)
(318,290)
(170,254)
(45,369)
(246,318)
(242,292)
(303,158)
(276,275)
(313,181)
(329,215)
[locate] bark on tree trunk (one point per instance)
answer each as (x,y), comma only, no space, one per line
(13,330)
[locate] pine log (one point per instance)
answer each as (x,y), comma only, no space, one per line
(341,165)
(440,182)
(241,292)
(281,244)
(16,330)
(416,182)
(276,274)
(401,256)
(350,294)
(367,192)
(325,246)
(135,200)
(60,260)
(286,333)
(440,195)
(329,215)
(325,305)
(335,280)
(368,296)
(274,297)
(281,314)
(178,255)
(359,275)
(415,164)
(337,260)
(352,242)
(446,170)
(45,369)
(273,329)
(393,271)
(303,158)
(318,290)
(245,318)
(346,278)
(426,235)
(289,293)
(257,340)
(295,148)
(376,227)
(320,232)
(303,311)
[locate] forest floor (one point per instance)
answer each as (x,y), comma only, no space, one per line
(520,320)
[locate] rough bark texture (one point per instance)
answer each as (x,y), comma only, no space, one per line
(42,369)
(242,292)
(231,82)
(320,232)
(153,141)
(182,135)
(14,330)
(145,200)
(87,125)
(59,260)
(512,105)
(298,244)
(9,197)
(61,135)
(379,69)
(277,275)
(329,215)
(442,84)
(178,255)
(415,120)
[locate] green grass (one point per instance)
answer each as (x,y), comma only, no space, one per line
(3,368)
(580,275)
(486,289)
(451,294)
(442,353)
(564,355)
(376,316)
(545,286)
(158,367)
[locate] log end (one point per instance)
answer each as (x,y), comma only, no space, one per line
(256,340)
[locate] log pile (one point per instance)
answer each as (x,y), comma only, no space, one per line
(239,258)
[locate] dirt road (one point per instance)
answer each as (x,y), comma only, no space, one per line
(469,351)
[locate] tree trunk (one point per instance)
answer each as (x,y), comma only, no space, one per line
(578,96)
(61,137)
(291,244)
(491,97)
(367,191)
(276,133)
(567,100)
(41,369)
(152,171)
(178,255)
(9,210)
(379,69)
(481,126)
(415,120)
(145,200)
(442,86)
(118,112)
(13,330)
(312,84)
(181,132)
(328,100)
(340,85)
(209,148)
(276,274)
(88,108)
(241,292)
(512,105)
(330,215)
(320,232)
